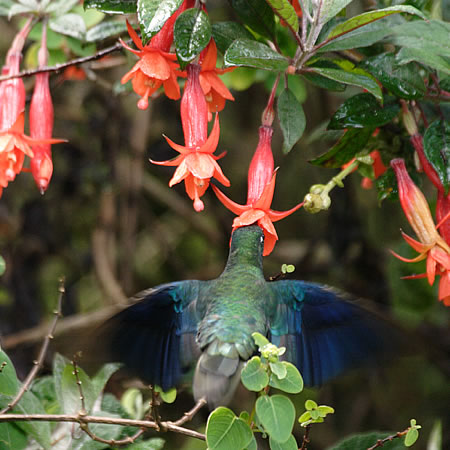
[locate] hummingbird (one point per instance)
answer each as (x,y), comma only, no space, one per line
(172,326)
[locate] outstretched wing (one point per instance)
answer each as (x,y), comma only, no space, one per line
(325,334)
(155,337)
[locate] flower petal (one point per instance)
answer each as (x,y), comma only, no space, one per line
(248,218)
(421,257)
(201,165)
(170,162)
(234,207)
(154,65)
(431,269)
(133,35)
(171,87)
(266,198)
(213,139)
(179,148)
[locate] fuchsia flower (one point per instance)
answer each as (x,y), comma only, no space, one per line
(261,186)
(431,246)
(196,162)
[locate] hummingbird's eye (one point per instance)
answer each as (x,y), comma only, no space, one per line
(261,239)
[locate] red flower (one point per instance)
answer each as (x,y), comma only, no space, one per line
(154,68)
(431,246)
(197,165)
(261,186)
(216,93)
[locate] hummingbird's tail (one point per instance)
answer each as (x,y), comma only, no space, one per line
(216,378)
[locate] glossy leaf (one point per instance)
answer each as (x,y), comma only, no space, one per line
(256,14)
(431,59)
(352,142)
(277,415)
(225,431)
(192,33)
(285,11)
(153,14)
(224,33)
(112,6)
(404,81)
(331,8)
(366,440)
(105,30)
(292,383)
(371,16)
(60,7)
(355,77)
(254,375)
(320,81)
(245,52)
(69,25)
(292,119)
(290,444)
(436,145)
(362,110)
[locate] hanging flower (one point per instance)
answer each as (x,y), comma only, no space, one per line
(431,246)
(216,93)
(155,67)
(261,186)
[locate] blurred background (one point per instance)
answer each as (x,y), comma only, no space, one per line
(111,226)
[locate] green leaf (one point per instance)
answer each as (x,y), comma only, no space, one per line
(371,16)
(253,445)
(60,7)
(354,77)
(330,8)
(9,383)
(322,82)
(325,410)
(44,389)
(278,369)
(362,110)
(225,431)
(71,394)
(292,119)
(167,396)
(149,444)
(192,32)
(5,6)
(290,444)
(11,437)
(69,25)
(292,383)
(224,33)
(310,404)
(254,376)
(112,6)
(411,437)
(305,417)
(101,378)
(436,145)
(437,62)
(105,30)
(352,142)
(277,415)
(153,14)
(286,12)
(245,52)
(366,440)
(404,81)
(256,14)
(260,340)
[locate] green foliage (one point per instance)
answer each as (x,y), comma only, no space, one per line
(257,15)
(314,413)
(224,33)
(286,12)
(366,440)
(112,6)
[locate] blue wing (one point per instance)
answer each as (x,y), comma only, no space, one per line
(323,333)
(155,337)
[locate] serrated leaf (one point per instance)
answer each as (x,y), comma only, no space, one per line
(411,437)
(292,383)
(330,8)
(352,142)
(254,376)
(371,16)
(292,119)
(362,110)
(366,440)
(105,30)
(286,12)
(69,25)
(404,81)
(277,415)
(153,14)
(290,444)
(192,33)
(112,6)
(245,52)
(224,33)
(256,14)
(436,145)
(355,77)
(225,431)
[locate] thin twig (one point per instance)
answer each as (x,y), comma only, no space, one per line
(59,67)
(81,419)
(381,442)
(306,439)
(188,416)
(76,373)
(40,361)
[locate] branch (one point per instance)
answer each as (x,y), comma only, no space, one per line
(306,439)
(59,67)
(85,419)
(188,416)
(40,361)
(381,442)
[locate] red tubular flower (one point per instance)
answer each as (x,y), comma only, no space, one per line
(261,186)
(378,169)
(431,246)
(443,215)
(155,67)
(196,162)
(215,91)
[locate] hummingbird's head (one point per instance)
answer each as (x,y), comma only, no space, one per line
(247,243)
